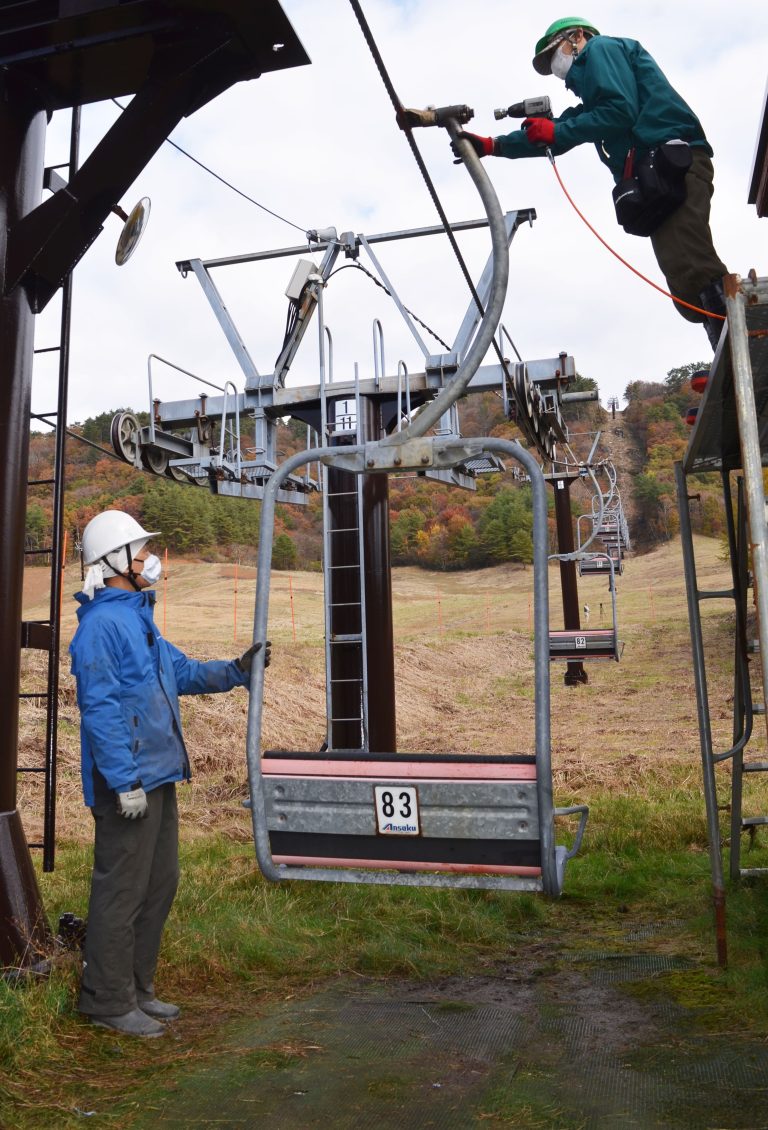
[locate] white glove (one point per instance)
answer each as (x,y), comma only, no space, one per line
(132,805)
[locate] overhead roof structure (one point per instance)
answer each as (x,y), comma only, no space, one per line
(758,189)
(173,58)
(72,52)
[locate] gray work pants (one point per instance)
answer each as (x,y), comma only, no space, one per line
(683,243)
(135,875)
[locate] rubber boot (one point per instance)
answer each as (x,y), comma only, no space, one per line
(160,1010)
(712,299)
(133,1023)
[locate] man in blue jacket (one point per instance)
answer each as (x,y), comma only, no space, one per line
(128,684)
(627,103)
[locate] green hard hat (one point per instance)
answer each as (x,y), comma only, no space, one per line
(552,36)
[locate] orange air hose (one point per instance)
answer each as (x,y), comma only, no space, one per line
(640,275)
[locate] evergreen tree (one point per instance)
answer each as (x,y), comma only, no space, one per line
(284,555)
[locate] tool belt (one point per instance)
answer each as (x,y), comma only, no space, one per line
(652,187)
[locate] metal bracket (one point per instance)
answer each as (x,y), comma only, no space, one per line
(434,116)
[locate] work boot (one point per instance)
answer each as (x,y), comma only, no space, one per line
(712,299)
(160,1010)
(133,1023)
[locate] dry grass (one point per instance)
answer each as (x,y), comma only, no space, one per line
(626,743)
(464,679)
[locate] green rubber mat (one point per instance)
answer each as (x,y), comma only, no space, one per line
(567,1049)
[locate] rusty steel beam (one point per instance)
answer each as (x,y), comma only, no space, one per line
(22,141)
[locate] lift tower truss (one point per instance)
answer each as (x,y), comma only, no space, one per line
(173,58)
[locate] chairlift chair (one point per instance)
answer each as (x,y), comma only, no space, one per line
(590,643)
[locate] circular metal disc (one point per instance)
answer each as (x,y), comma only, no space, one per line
(133,230)
(178,474)
(123,434)
(154,459)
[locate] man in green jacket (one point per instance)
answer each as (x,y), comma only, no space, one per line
(627,103)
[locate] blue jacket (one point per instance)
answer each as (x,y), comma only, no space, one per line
(626,103)
(128,684)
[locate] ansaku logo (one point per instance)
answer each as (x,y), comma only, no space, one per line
(404,828)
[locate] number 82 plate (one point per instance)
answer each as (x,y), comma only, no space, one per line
(397,810)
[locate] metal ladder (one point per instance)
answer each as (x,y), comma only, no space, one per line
(728,436)
(744,707)
(44,635)
(345,619)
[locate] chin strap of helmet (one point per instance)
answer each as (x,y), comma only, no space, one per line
(130,575)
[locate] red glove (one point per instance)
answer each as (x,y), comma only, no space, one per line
(483,146)
(539,131)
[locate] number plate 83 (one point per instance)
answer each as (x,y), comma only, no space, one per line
(397,810)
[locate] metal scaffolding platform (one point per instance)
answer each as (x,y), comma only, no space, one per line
(730,438)
(715,442)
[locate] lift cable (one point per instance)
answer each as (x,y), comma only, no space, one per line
(43,417)
(372,277)
(401,121)
(229,184)
(403,124)
(302,230)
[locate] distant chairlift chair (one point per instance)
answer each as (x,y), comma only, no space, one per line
(590,643)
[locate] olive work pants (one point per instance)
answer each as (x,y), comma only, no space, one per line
(135,875)
(683,243)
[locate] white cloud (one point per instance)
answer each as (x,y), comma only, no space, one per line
(319,145)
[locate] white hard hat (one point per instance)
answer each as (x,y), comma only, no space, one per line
(111,530)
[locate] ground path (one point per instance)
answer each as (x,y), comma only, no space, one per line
(559,1037)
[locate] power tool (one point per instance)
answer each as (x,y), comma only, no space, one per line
(528,108)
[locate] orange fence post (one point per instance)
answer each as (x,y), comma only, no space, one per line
(235,611)
(293,618)
(165,584)
(62,567)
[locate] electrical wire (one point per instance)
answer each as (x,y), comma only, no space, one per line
(229,184)
(640,275)
(372,277)
(304,231)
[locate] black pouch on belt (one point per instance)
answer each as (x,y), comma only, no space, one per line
(652,188)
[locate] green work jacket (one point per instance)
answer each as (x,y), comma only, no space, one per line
(626,103)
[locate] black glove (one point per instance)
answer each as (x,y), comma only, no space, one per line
(483,146)
(246,659)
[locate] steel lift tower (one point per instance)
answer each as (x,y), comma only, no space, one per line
(56,54)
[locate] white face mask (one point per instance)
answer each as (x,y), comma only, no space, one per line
(152,570)
(561,63)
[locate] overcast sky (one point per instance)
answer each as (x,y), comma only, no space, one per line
(319,146)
